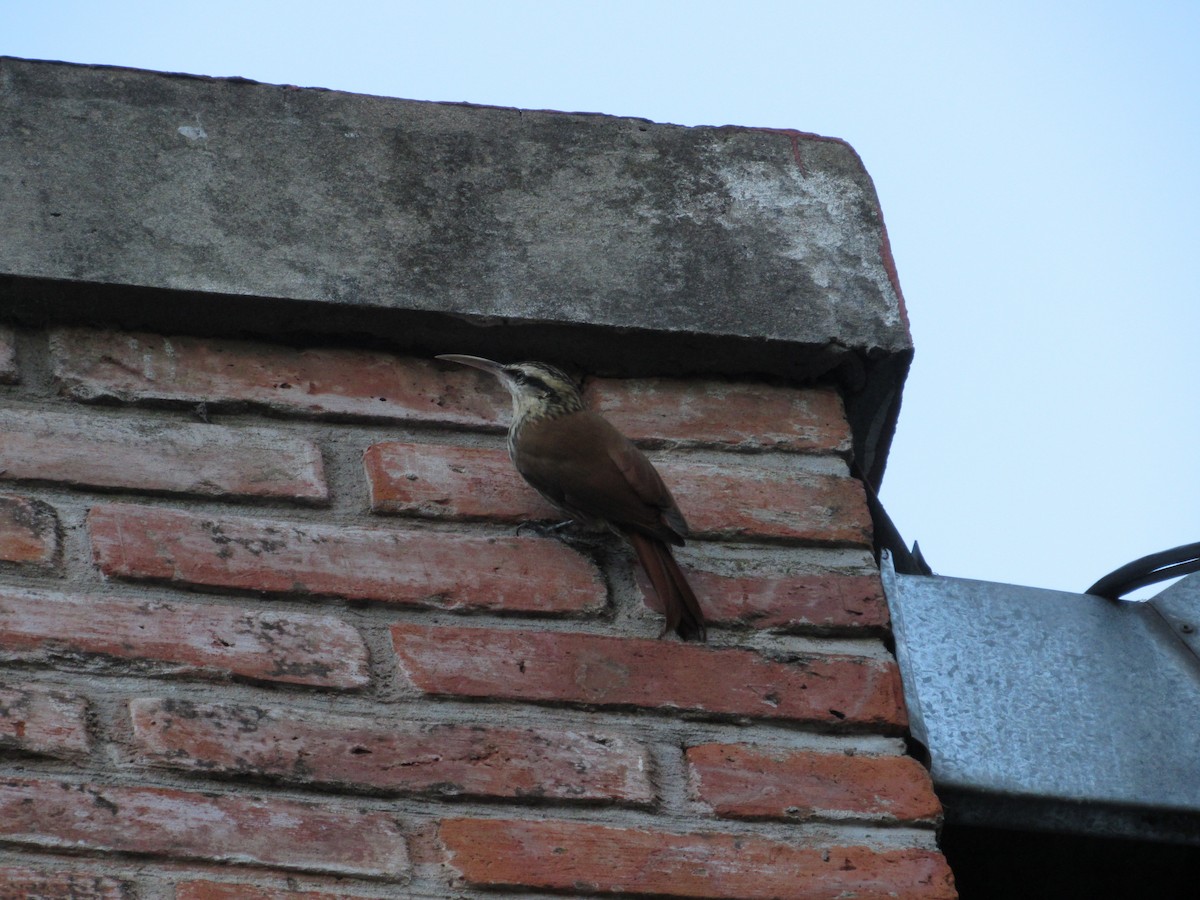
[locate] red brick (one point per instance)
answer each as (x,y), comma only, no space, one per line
(559,667)
(581,857)
(190,639)
(741,781)
(364,753)
(204,460)
(24,882)
(213,827)
(28,531)
(9,373)
(337,383)
(745,500)
(828,602)
(734,415)
(447,571)
(43,721)
(445,481)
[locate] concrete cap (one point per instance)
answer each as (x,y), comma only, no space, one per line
(627,246)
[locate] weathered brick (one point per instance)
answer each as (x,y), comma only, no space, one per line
(204,460)
(327,382)
(741,500)
(746,501)
(9,373)
(558,667)
(581,857)
(733,415)
(44,721)
(441,480)
(300,746)
(827,602)
(166,638)
(25,882)
(28,531)
(742,781)
(447,571)
(221,828)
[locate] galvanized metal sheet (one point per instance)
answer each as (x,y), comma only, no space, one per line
(1179,606)
(1024,694)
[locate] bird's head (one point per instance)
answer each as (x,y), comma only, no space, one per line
(537,389)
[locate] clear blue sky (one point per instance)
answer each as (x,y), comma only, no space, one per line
(1038,165)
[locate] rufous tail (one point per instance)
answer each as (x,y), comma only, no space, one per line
(679,602)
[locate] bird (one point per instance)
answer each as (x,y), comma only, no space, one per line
(578,461)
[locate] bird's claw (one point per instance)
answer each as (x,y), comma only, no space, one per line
(569,531)
(542,529)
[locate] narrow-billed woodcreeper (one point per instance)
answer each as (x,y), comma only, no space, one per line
(595,475)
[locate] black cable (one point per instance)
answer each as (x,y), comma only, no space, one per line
(887,535)
(1148,570)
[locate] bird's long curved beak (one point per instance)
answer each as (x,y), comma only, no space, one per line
(475,362)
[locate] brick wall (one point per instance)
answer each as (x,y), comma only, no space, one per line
(267,630)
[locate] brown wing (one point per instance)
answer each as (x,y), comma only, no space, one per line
(582,463)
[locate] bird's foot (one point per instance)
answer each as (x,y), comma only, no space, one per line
(546,529)
(571,532)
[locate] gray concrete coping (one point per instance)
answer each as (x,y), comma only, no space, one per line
(629,246)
